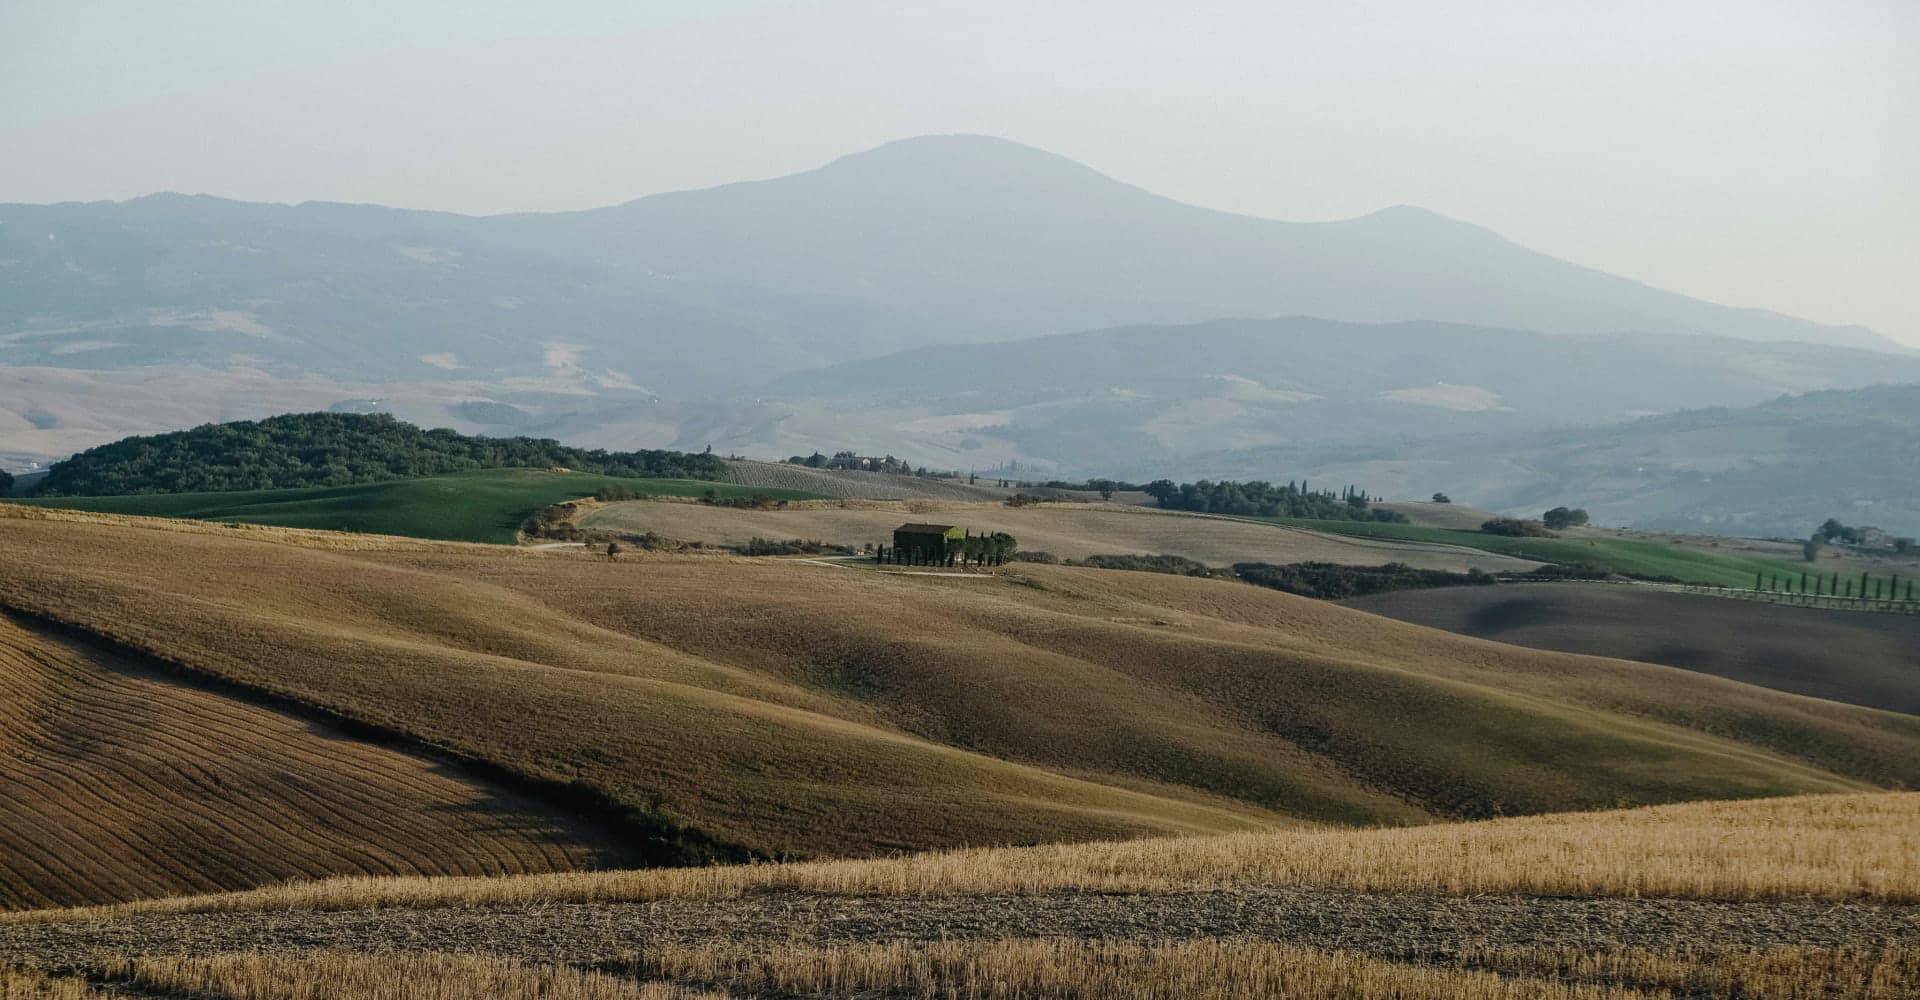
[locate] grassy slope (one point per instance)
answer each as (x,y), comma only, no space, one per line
(1614,554)
(1071,531)
(485,506)
(117,784)
(790,706)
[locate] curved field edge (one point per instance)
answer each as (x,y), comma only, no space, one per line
(1832,847)
(118,783)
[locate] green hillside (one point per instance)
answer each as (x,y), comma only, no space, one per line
(1629,558)
(484,506)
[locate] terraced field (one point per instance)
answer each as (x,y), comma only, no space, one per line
(118,783)
(1068,530)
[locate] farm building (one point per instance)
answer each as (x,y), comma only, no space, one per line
(927,543)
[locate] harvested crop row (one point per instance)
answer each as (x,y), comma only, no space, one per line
(117,784)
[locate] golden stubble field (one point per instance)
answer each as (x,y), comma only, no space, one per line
(117,783)
(1068,530)
(779,708)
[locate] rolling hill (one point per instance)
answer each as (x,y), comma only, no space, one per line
(730,707)
(118,782)
(1067,530)
(929,240)
(1854,657)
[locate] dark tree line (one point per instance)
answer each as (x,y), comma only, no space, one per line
(332,449)
(6,482)
(1263,499)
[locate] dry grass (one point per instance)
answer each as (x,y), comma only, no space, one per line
(118,784)
(339,975)
(1068,530)
(1204,969)
(797,709)
(26,984)
(1856,847)
(1789,973)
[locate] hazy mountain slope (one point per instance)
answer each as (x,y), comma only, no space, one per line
(1144,400)
(1777,469)
(929,240)
(984,234)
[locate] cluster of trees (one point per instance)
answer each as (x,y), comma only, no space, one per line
(758,501)
(1334,582)
(1176,565)
(1263,499)
(1515,527)
(758,546)
(332,449)
(1561,518)
(853,460)
(1821,585)
(6,482)
(973,550)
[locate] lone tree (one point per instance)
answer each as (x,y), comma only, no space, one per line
(1562,517)
(1442,498)
(613,549)
(1811,547)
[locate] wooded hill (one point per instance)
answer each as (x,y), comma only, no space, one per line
(332,449)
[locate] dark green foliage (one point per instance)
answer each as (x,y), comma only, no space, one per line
(1333,582)
(1442,498)
(1043,558)
(1561,518)
(1176,565)
(756,501)
(1513,527)
(331,449)
(1811,547)
(758,546)
(1263,499)
(6,482)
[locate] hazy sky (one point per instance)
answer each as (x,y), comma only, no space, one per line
(1750,152)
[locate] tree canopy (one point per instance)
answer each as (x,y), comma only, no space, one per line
(331,449)
(1263,499)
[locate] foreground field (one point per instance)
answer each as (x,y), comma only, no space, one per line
(470,507)
(723,708)
(1068,530)
(118,783)
(1793,898)
(1862,659)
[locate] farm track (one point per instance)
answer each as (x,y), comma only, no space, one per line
(117,783)
(1390,925)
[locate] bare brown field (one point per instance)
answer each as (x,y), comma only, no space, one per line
(118,784)
(1068,530)
(776,708)
(1861,659)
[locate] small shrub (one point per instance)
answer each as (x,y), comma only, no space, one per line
(1516,528)
(1044,558)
